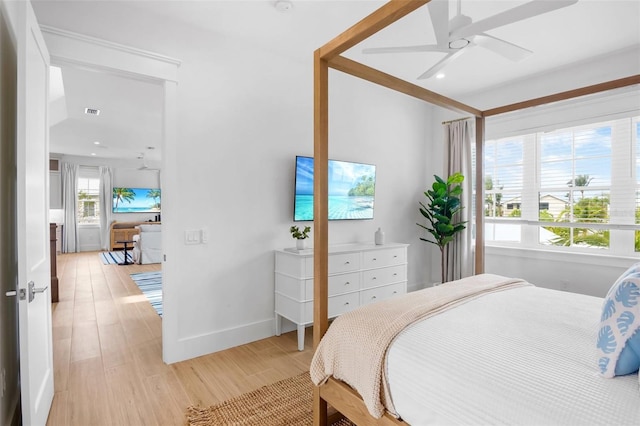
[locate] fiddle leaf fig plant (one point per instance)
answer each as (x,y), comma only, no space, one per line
(298,234)
(443,204)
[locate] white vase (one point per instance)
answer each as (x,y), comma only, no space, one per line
(301,244)
(379,237)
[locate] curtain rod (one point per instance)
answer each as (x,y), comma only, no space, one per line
(458,119)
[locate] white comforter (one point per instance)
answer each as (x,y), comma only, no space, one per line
(521,357)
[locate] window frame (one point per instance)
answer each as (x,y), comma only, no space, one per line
(620,239)
(88,173)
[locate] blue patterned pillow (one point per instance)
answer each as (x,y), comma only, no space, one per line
(619,334)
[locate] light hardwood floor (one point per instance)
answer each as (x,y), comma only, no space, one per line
(108,360)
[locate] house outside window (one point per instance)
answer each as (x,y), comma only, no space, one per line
(568,189)
(88,198)
(503,164)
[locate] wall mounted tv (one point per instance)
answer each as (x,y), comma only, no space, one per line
(136,200)
(351,190)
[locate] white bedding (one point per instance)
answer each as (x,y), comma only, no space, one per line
(526,356)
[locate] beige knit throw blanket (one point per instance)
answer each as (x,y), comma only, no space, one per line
(354,348)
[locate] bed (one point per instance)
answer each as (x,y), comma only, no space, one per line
(335,392)
(482,350)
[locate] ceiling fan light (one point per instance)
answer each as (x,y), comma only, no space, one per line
(458,44)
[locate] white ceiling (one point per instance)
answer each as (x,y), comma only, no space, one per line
(129,123)
(131,109)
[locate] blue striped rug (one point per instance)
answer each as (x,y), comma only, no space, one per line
(113,257)
(150,284)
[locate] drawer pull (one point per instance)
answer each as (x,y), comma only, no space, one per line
(346,303)
(373,278)
(395,292)
(347,263)
(374,259)
(395,274)
(373,297)
(395,256)
(347,283)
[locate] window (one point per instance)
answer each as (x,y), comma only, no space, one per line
(88,197)
(572,163)
(503,163)
(568,188)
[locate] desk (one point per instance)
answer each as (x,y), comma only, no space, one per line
(125,243)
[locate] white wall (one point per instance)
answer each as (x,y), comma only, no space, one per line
(244,113)
(234,176)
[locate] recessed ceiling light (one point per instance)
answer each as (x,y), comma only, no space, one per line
(96,143)
(93,153)
(92,111)
(441,75)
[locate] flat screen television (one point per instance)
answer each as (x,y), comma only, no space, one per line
(136,200)
(351,190)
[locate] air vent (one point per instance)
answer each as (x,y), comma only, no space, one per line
(92,111)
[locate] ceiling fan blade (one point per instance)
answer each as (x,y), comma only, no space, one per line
(518,13)
(442,63)
(439,12)
(405,49)
(501,47)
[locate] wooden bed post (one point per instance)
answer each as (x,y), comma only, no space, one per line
(321,216)
(479,261)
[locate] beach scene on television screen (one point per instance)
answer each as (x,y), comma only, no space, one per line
(351,190)
(136,200)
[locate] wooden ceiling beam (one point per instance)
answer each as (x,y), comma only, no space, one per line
(381,18)
(563,96)
(364,72)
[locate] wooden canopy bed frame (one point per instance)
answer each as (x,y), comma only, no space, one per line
(339,395)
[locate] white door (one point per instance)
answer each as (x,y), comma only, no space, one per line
(34,311)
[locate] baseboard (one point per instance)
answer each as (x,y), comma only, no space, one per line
(204,344)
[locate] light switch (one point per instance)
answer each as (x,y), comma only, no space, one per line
(192,237)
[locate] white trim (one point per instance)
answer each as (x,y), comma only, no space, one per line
(79,50)
(202,344)
(561,256)
(66,47)
(110,45)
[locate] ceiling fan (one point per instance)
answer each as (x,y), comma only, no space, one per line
(144,163)
(456,36)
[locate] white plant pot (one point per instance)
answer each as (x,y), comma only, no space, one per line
(301,244)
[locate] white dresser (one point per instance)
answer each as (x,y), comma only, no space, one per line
(358,274)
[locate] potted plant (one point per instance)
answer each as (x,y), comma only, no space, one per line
(444,203)
(300,236)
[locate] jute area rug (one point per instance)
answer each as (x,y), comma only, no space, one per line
(287,402)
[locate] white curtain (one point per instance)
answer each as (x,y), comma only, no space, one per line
(70,205)
(105,206)
(457,143)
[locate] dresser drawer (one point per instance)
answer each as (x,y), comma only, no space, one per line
(338,305)
(384,276)
(337,284)
(345,262)
(382,293)
(384,257)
